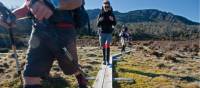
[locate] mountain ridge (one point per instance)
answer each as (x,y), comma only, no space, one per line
(145,15)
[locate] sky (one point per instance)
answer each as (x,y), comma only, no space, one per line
(187,8)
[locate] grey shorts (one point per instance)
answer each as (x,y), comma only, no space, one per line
(124,41)
(40,56)
(103,37)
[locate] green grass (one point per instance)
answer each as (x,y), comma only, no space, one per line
(147,74)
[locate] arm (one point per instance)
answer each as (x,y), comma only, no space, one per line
(114,22)
(120,34)
(99,20)
(21,12)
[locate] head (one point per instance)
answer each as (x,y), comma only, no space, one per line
(124,28)
(106,6)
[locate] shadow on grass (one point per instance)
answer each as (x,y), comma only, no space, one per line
(182,78)
(55,83)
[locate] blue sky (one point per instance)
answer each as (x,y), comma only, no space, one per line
(187,8)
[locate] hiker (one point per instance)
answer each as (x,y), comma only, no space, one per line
(53,33)
(124,37)
(106,22)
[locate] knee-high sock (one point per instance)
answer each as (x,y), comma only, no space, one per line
(104,54)
(123,48)
(108,55)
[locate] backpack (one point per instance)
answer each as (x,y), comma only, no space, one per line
(81,18)
(125,35)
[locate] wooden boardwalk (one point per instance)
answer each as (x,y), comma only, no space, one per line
(104,77)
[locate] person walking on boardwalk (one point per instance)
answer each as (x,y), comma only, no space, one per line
(53,36)
(124,37)
(106,22)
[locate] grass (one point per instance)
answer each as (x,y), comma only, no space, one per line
(149,72)
(89,58)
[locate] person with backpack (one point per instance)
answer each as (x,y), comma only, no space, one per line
(106,22)
(124,37)
(53,36)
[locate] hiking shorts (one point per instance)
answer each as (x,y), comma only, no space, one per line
(40,57)
(105,37)
(124,41)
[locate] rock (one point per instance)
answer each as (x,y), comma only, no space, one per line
(173,68)
(87,66)
(138,48)
(8,76)
(186,48)
(6,65)
(161,65)
(94,62)
(2,70)
(171,58)
(91,55)
(146,49)
(1,66)
(157,53)
(196,48)
(181,55)
(11,62)
(148,43)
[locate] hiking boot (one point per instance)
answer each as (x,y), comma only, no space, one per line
(82,81)
(123,49)
(108,63)
(104,62)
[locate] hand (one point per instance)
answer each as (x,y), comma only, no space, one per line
(41,11)
(111,18)
(101,19)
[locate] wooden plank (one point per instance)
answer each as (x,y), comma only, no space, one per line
(108,78)
(100,77)
(123,79)
(104,77)
(108,82)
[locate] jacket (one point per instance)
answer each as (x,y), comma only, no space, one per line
(105,23)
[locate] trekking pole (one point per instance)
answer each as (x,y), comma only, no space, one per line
(7,17)
(71,59)
(13,46)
